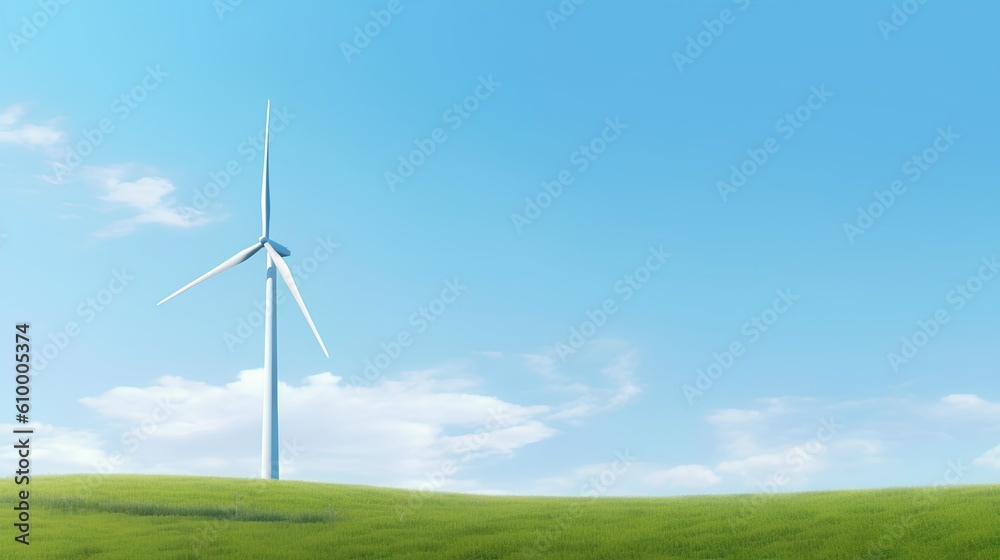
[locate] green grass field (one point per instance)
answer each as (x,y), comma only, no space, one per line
(139,517)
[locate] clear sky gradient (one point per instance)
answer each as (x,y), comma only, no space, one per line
(735,246)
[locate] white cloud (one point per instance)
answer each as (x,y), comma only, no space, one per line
(618,478)
(26,134)
(735,416)
(397,432)
(757,448)
(403,432)
(989,459)
(597,400)
(145,197)
(792,464)
(859,447)
(541,364)
(60,450)
(683,476)
(392,433)
(969,406)
(787,444)
(773,407)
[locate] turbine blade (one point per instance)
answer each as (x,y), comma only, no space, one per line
(286,274)
(233,261)
(265,194)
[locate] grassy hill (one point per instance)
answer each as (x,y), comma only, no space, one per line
(140,517)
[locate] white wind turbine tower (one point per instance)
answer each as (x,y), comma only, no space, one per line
(275,264)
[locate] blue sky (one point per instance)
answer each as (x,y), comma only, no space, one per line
(580,169)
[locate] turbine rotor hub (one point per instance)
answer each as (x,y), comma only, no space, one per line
(281,249)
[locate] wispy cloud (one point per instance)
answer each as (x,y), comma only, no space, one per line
(595,400)
(66,450)
(969,407)
(144,197)
(539,363)
(682,476)
(989,459)
(13,131)
(147,198)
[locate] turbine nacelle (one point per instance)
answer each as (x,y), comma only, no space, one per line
(281,249)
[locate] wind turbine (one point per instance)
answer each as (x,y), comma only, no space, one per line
(275,265)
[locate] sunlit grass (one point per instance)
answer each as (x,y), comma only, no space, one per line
(129,517)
